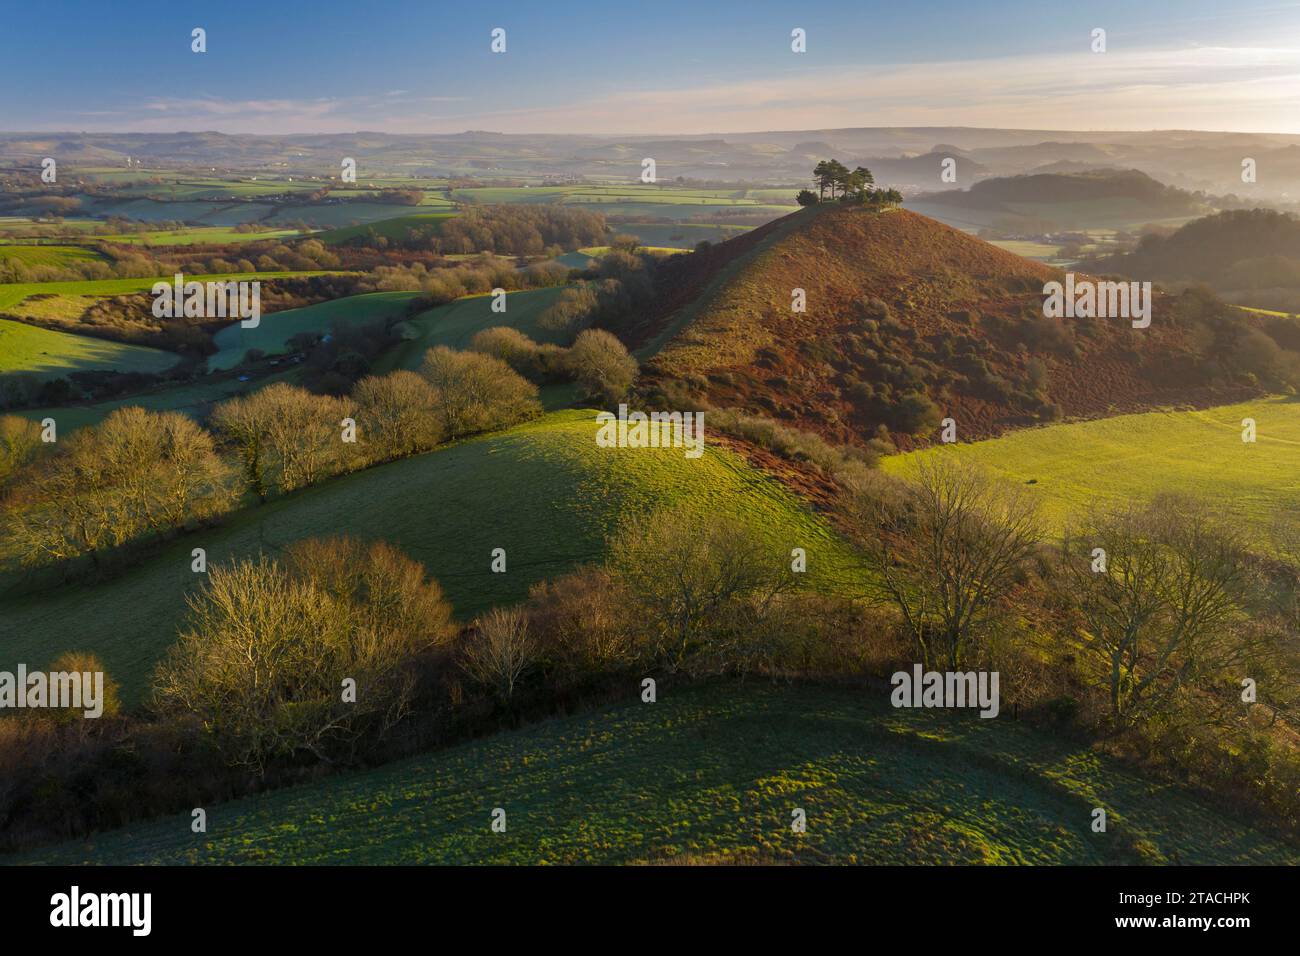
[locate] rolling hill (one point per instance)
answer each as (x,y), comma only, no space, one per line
(543,491)
(1133,457)
(1093,198)
(273,333)
(907,320)
(49,354)
(712,775)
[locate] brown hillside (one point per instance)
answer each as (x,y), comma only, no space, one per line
(908,320)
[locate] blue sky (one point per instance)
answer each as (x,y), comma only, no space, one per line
(623,66)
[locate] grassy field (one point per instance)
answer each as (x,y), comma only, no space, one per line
(42,255)
(273,333)
(544,491)
(191,398)
(12,293)
(711,775)
(1132,457)
(397,229)
(338,214)
(455,323)
(197,235)
(49,354)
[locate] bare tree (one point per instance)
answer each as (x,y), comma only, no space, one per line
(396,414)
(500,650)
(689,576)
(474,392)
(1164,613)
(312,655)
(944,550)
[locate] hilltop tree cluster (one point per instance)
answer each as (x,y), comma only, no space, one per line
(857,185)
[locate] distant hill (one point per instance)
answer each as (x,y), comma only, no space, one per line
(924,170)
(909,321)
(1250,256)
(1088,198)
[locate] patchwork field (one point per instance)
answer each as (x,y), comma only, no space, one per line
(1132,457)
(543,491)
(712,775)
(49,354)
(273,333)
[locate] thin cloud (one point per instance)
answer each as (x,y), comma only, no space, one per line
(1194,87)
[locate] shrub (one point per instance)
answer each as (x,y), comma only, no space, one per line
(270,650)
(396,414)
(602,365)
(474,392)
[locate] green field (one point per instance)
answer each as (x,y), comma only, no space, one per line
(338,214)
(711,775)
(48,354)
(398,229)
(42,255)
(197,235)
(273,333)
(12,293)
(543,491)
(455,324)
(1132,457)
(191,398)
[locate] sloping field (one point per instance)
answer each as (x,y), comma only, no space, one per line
(40,255)
(398,229)
(712,775)
(455,323)
(191,398)
(1132,457)
(273,333)
(48,354)
(197,235)
(336,214)
(543,491)
(958,330)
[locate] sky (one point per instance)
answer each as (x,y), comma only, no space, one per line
(662,67)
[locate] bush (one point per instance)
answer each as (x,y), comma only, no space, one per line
(602,366)
(396,415)
(474,392)
(270,651)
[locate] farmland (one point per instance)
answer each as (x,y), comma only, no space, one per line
(398,229)
(1133,457)
(197,235)
(49,354)
(543,491)
(711,775)
(47,255)
(455,324)
(13,293)
(273,333)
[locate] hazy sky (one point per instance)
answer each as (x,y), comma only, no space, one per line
(664,66)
